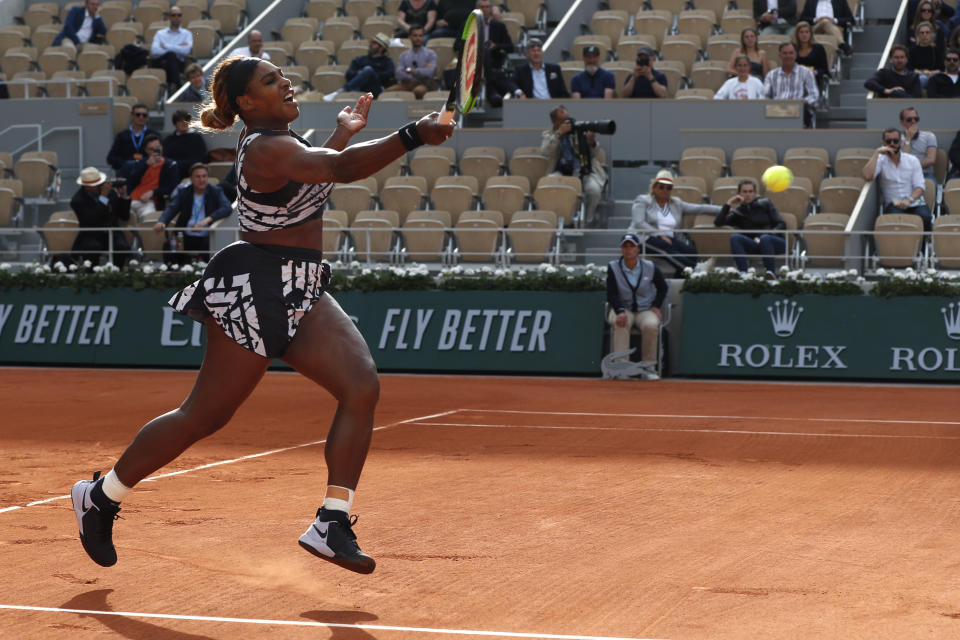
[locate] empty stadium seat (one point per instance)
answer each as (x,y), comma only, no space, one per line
(532,234)
(373,233)
(455,194)
(897,237)
(482,162)
(946,241)
(839,194)
(425,234)
(478,235)
(404,194)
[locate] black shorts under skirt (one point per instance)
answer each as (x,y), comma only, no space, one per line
(257,293)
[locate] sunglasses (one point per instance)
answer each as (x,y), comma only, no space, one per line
(139,115)
(891,141)
(925,11)
(176,15)
(912,119)
(661,185)
(952,59)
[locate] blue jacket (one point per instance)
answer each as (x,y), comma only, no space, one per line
(215,205)
(73,23)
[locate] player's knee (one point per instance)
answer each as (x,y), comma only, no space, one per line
(363,389)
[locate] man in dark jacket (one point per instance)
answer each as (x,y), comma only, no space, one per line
(895,81)
(946,84)
(753,215)
(780,18)
(185,146)
(128,144)
(834,23)
(371,72)
(196,206)
(82,25)
(151,179)
(497,45)
(97,204)
(539,79)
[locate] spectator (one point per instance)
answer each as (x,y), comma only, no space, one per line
(900,178)
(635,293)
(82,25)
(925,59)
(810,54)
(775,17)
(497,44)
(593,81)
(184,146)
(946,84)
(946,11)
(831,18)
(415,13)
(953,40)
(196,90)
(790,81)
(742,87)
(170,48)
(450,17)
(539,79)
(895,81)
(254,48)
(416,66)
(570,153)
(97,204)
(645,81)
(196,206)
(128,144)
(759,65)
(954,156)
(658,214)
(151,179)
(369,73)
(920,144)
(927,12)
(754,216)
(229,184)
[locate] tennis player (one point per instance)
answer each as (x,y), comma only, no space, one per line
(263,297)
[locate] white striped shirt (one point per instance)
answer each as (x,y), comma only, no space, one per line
(800,84)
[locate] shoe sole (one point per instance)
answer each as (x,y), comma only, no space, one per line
(76,496)
(356,568)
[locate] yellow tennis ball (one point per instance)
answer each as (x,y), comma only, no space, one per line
(777,178)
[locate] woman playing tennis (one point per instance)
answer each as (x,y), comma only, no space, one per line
(263,297)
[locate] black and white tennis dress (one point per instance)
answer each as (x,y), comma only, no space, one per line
(258,293)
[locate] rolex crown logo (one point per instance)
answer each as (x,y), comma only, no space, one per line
(951,319)
(784,315)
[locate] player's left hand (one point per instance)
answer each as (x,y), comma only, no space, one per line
(353,119)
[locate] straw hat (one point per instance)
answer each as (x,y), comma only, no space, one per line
(665,176)
(381,39)
(91,177)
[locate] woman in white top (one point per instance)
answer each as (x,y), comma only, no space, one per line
(743,86)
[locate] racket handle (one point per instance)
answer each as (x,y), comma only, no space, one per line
(447,116)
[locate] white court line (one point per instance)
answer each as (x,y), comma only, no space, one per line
(712,417)
(741,432)
(240,459)
(305,623)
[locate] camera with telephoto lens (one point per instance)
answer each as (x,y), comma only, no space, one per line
(605,127)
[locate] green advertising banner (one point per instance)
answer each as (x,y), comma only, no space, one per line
(817,336)
(474,331)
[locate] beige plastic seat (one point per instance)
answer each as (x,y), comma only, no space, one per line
(152,243)
(361,9)
(630,6)
(711,241)
(377,24)
(794,200)
(329,78)
(298,74)
(66,84)
(38,177)
(315,54)
(681,47)
(946,241)
(395,168)
(771,44)
(840,194)
(322,10)
(354,197)
(563,199)
(708,74)
(55,59)
(675,72)
(39,13)
(145,87)
(849,161)
(397,96)
(513,21)
(115,11)
(18,59)
(350,49)
(723,188)
(629,45)
(531,10)
(298,30)
(335,223)
(443,47)
(752,161)
(10,205)
(900,248)
(720,46)
(611,23)
(655,23)
(373,233)
(229,14)
(433,162)
(809,162)
(482,163)
(672,6)
(733,21)
(120,34)
(951,195)
(425,234)
(478,235)
(340,30)
(92,60)
(620,70)
(506,194)
(59,233)
(106,82)
(455,194)
(404,194)
(150,11)
(600,41)
(694,94)
(705,162)
(825,243)
(532,235)
(528,162)
(691,189)
(699,22)
(570,68)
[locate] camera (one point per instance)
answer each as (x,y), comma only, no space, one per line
(605,127)
(118,182)
(643,60)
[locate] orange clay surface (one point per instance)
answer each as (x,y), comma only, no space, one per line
(496,508)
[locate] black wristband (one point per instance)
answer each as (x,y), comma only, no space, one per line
(410,137)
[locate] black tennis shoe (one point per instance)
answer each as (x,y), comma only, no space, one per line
(95,520)
(331,538)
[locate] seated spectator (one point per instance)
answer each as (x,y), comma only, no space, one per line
(369,73)
(954,155)
(635,293)
(645,81)
(254,48)
(946,84)
(927,12)
(415,13)
(593,81)
(742,87)
(539,79)
(754,216)
(925,59)
(810,54)
(497,45)
(775,17)
(416,66)
(899,177)
(151,179)
(229,184)
(184,146)
(97,204)
(451,15)
(759,65)
(82,25)
(945,11)
(195,206)
(790,81)
(128,144)
(170,48)
(920,144)
(657,214)
(831,18)
(895,81)
(196,90)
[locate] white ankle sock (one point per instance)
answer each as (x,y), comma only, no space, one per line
(113,488)
(338,499)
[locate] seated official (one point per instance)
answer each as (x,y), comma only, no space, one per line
(194,207)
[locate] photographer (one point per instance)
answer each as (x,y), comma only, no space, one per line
(569,151)
(900,178)
(645,82)
(98,204)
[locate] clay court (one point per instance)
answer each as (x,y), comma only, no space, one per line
(496,508)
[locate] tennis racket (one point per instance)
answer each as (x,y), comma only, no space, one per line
(466,88)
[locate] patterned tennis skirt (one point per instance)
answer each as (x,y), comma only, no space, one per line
(257,293)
